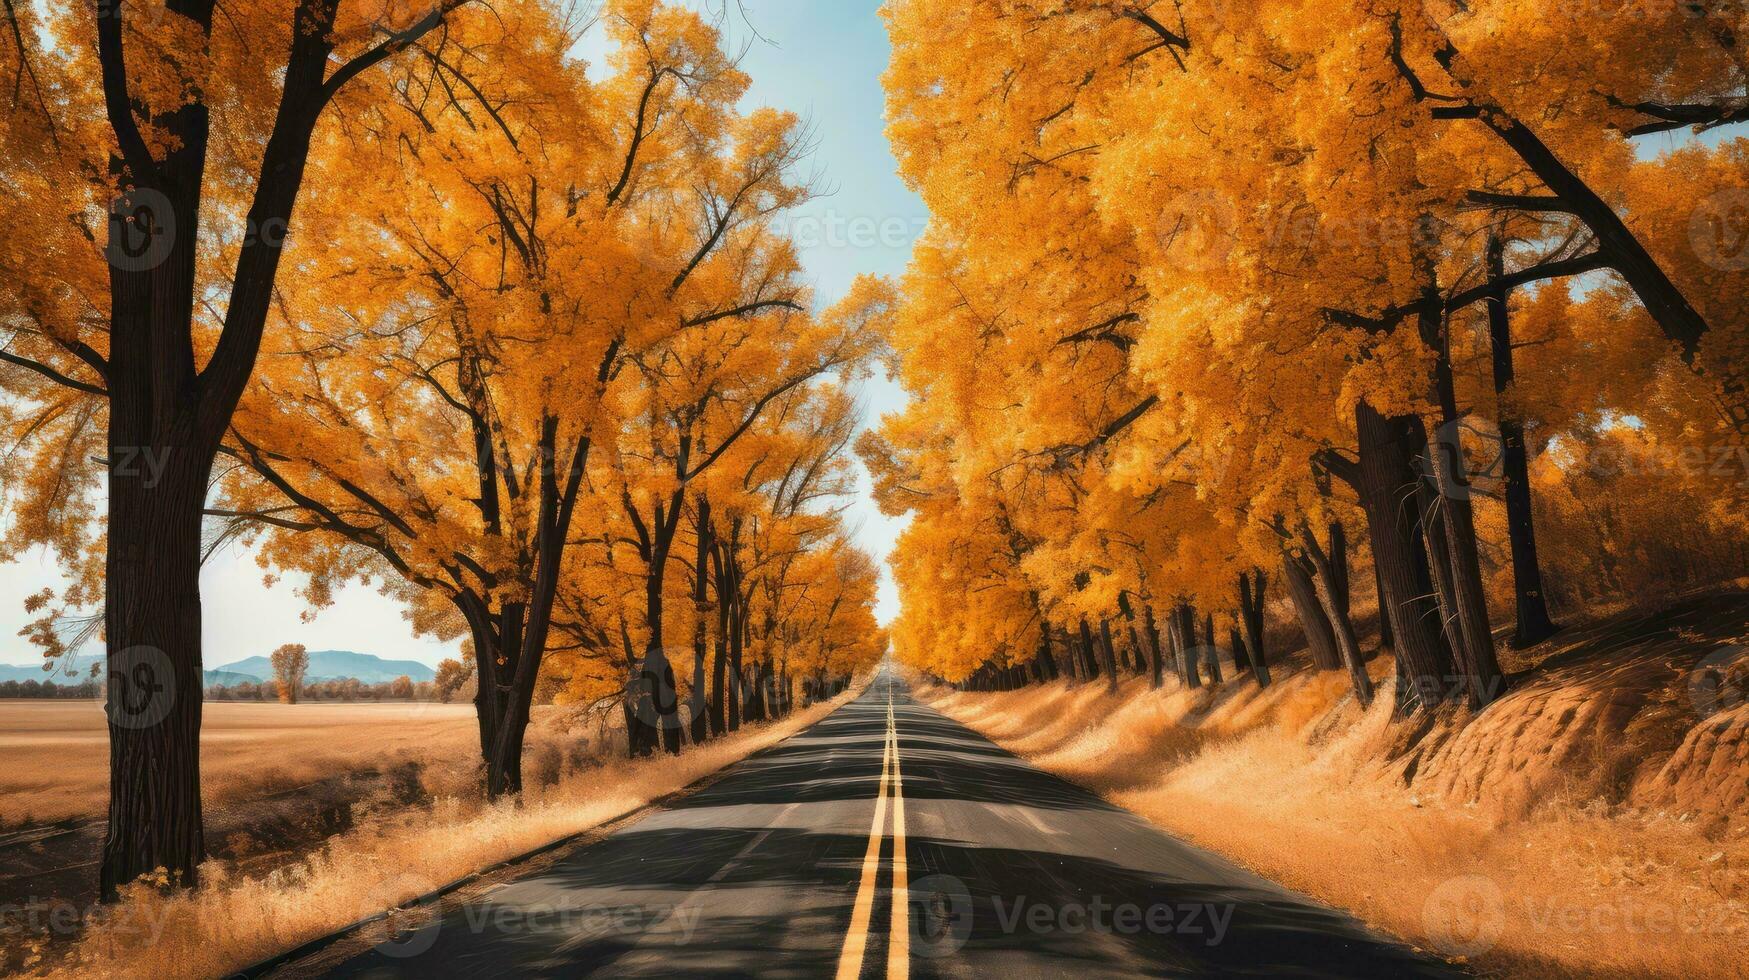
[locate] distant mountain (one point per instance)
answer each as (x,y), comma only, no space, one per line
(324,665)
(228,678)
(72,670)
(334,665)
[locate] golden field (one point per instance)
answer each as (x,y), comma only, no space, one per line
(54,755)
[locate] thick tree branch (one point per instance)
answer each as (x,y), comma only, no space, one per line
(54,375)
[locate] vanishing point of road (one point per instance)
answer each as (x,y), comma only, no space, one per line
(886,840)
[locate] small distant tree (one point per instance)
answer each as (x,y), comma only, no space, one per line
(451,675)
(289,664)
(401,688)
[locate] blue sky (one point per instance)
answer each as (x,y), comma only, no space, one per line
(819,58)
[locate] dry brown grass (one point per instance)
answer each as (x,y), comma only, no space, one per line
(232,921)
(1290,782)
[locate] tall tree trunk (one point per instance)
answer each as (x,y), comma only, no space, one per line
(1153,630)
(1251,594)
(659,674)
(1388,485)
(1485,680)
(160,404)
(1046,659)
(633,699)
(1385,637)
(698,708)
(1314,619)
(1342,626)
(1184,632)
(503,771)
(737,599)
(1533,622)
(1109,653)
(153,646)
(1339,577)
(510,642)
(1211,650)
(1236,643)
(720,665)
(1087,655)
(1444,589)
(1129,619)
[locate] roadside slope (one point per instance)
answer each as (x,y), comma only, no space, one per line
(1588,824)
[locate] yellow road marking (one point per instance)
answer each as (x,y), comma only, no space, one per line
(856,941)
(899,936)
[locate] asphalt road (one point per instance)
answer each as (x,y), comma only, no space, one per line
(886,840)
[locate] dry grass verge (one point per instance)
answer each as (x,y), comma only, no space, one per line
(232,921)
(1300,785)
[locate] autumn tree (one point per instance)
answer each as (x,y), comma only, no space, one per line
(290,662)
(191,143)
(1219,270)
(451,675)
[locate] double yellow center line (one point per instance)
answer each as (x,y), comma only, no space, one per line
(899,930)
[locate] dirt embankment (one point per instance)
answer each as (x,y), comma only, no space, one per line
(1590,823)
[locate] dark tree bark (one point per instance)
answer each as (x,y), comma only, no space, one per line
(1387,483)
(1087,656)
(1047,661)
(1236,643)
(1385,637)
(1184,640)
(738,625)
(720,666)
(1211,650)
(1128,611)
(1109,655)
(1153,630)
(699,709)
(660,723)
(1339,575)
(1314,619)
(1342,627)
(1251,595)
(1444,589)
(1533,622)
(1483,677)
